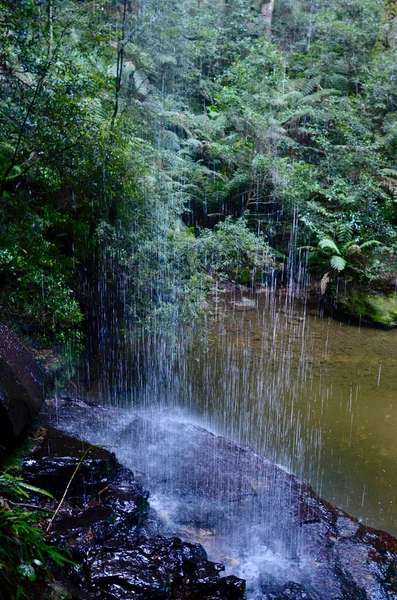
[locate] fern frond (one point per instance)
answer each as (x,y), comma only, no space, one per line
(319,95)
(328,244)
(338,263)
(370,243)
(94,107)
(307,86)
(389,173)
(293,97)
(203,170)
(239,181)
(344,232)
(194,144)
(388,178)
(300,113)
(285,139)
(337,81)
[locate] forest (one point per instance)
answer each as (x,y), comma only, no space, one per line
(161,146)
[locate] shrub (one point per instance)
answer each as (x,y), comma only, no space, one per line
(232,251)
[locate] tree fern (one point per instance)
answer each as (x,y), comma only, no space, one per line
(293,97)
(307,85)
(389,173)
(337,81)
(319,95)
(388,178)
(239,181)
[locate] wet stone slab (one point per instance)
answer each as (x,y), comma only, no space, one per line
(113,536)
(55,458)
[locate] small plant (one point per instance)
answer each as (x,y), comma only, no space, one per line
(340,255)
(24,552)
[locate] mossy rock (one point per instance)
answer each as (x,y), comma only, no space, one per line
(376,308)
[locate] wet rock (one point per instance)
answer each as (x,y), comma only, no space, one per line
(234,587)
(193,554)
(127,500)
(345,558)
(206,583)
(244,304)
(53,462)
(242,496)
(94,515)
(128,574)
(21,387)
(294,591)
(274,590)
(159,568)
(346,527)
(106,523)
(369,559)
(369,307)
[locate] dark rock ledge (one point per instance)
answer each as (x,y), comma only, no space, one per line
(116,538)
(113,535)
(225,487)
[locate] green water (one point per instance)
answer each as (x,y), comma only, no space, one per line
(314,394)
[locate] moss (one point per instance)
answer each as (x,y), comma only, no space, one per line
(379,309)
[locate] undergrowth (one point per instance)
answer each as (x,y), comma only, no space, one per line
(25,555)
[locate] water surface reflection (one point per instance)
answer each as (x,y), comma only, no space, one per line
(313,394)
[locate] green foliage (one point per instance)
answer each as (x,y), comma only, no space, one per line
(47,188)
(118,124)
(233,252)
(16,488)
(328,244)
(345,252)
(338,263)
(24,552)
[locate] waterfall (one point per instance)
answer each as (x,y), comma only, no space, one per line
(215,413)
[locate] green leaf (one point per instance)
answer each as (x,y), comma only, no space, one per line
(345,233)
(338,263)
(328,244)
(17,486)
(32,488)
(19,592)
(370,243)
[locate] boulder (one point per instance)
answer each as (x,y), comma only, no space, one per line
(372,308)
(21,387)
(59,460)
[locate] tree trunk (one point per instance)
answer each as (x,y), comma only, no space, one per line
(390,20)
(267,15)
(51,29)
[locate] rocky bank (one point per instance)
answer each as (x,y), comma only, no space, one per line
(238,494)
(113,535)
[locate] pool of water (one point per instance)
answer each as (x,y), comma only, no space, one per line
(314,394)
(268,370)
